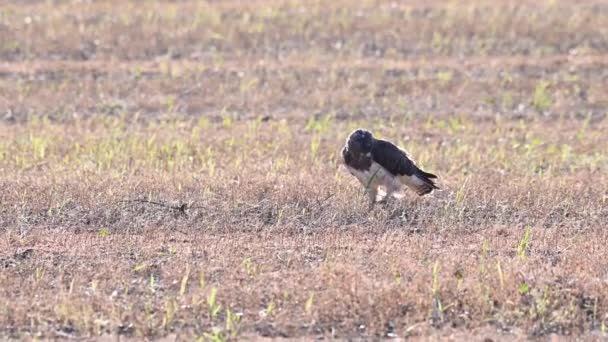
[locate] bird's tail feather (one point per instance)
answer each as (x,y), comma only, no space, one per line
(426,174)
(425,184)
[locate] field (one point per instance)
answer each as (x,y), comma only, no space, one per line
(172,169)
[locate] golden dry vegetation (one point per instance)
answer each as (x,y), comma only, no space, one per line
(172,169)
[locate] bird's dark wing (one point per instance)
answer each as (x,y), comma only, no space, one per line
(392,158)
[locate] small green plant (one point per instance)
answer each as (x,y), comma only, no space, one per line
(461,193)
(232,321)
(203,123)
(171,309)
(309,303)
(532,145)
(63,312)
(184,283)
(318,126)
(248,84)
(139,267)
(315,143)
(438,41)
(580,134)
(397,277)
(227,121)
(501,276)
(523,288)
(542,100)
(507,100)
(455,125)
(103,232)
(269,309)
(228,333)
(38,147)
(435,288)
(212,306)
(38,273)
(201,280)
(522,248)
(216,335)
(152,283)
(444,77)
(437,305)
(328,261)
(170,103)
(543,303)
(250,268)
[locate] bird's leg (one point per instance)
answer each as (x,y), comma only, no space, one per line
(371,206)
(389,194)
(372,193)
(384,193)
(384,201)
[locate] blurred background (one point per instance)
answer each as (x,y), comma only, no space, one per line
(294,59)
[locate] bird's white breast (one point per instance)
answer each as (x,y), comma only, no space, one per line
(376,176)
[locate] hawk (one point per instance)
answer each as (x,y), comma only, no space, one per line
(383,167)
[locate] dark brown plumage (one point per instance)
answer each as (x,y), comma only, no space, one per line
(396,161)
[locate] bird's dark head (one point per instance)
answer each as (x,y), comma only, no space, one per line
(360,141)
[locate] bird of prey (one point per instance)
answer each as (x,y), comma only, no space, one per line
(383,168)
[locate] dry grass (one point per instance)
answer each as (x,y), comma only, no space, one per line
(232,116)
